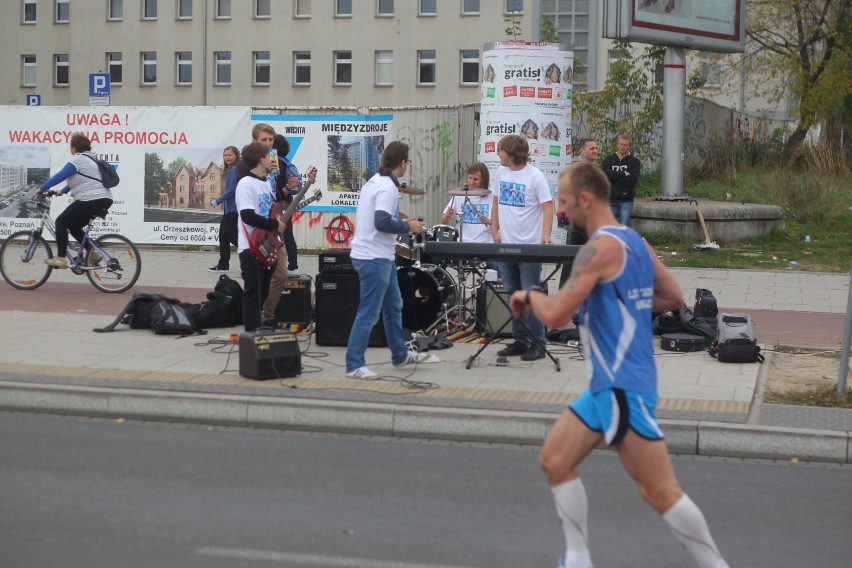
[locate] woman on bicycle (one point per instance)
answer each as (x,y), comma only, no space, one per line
(90,198)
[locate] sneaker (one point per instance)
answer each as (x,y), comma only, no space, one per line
(218,268)
(56,262)
(95,258)
(534,353)
(293,274)
(415,358)
(516,348)
(363,373)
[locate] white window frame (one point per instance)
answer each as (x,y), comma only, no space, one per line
(340,62)
(384,61)
(29,68)
(380,14)
(222,6)
(111,63)
(145,63)
(421,12)
(265,4)
(258,63)
(181,63)
(58,64)
(146,6)
(301,62)
(338,13)
(469,12)
(180,6)
(56,10)
(466,58)
(114,6)
(509,4)
(424,60)
(301,8)
(221,60)
(26,4)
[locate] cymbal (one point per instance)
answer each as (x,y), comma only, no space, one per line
(408,190)
(468,191)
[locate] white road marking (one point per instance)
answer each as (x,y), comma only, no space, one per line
(309,559)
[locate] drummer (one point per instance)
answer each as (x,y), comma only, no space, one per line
(475,208)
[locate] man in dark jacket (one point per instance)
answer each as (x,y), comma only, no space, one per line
(622,169)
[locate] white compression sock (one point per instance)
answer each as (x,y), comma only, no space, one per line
(688,524)
(572,504)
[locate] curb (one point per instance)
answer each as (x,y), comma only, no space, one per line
(472,425)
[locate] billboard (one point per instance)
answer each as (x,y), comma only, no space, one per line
(709,25)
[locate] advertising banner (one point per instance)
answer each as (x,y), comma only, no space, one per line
(527,77)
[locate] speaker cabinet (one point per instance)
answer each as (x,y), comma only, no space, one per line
(491,313)
(294,307)
(269,355)
(338,296)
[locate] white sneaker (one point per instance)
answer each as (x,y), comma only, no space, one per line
(418,358)
(363,373)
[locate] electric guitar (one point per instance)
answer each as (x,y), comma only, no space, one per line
(264,244)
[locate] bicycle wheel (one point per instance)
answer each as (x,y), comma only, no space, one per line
(120,266)
(22,261)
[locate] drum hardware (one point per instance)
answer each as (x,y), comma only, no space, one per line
(408,190)
(468,191)
(426,290)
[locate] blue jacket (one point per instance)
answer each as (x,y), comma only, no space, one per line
(229,198)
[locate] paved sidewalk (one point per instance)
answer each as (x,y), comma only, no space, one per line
(706,407)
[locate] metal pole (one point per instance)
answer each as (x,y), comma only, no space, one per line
(847,339)
(674,105)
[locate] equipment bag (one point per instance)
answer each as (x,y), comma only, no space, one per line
(109,175)
(705,304)
(217,311)
(137,312)
(169,318)
(230,287)
(683,342)
(735,341)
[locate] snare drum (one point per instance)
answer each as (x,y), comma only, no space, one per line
(406,253)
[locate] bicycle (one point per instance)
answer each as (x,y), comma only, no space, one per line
(111,262)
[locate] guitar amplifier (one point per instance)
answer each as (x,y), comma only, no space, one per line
(335,261)
(294,307)
(269,355)
(338,296)
(491,313)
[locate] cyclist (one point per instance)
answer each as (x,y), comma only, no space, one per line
(89,196)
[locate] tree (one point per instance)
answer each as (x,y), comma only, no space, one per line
(548,31)
(156,179)
(804,45)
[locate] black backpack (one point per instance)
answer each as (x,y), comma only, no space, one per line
(230,287)
(169,318)
(137,312)
(109,176)
(218,311)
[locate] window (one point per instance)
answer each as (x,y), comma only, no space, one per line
(711,69)
(343,8)
(261,67)
(183,68)
(470,7)
(28,70)
(384,8)
(184,9)
(223,8)
(384,68)
(115,10)
(149,67)
(426,67)
(516,6)
(262,9)
(149,9)
(222,73)
(113,65)
(63,11)
(61,71)
(469,66)
(342,68)
(302,68)
(29,12)
(303,8)
(427,7)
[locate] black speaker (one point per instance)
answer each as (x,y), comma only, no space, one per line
(491,313)
(294,307)
(338,296)
(269,355)
(335,260)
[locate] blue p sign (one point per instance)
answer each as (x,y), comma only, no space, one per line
(99,84)
(33,100)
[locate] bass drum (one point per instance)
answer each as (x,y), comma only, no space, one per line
(425,290)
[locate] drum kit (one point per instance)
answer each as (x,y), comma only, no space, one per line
(432,299)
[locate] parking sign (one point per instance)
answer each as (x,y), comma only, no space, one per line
(99,84)
(33,100)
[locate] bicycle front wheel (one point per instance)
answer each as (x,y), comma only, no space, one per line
(120,266)
(22,259)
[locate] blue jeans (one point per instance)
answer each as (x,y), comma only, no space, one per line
(521,276)
(379,292)
(622,211)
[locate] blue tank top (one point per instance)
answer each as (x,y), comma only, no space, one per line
(615,320)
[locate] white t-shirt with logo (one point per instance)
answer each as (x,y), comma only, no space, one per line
(256,194)
(472,229)
(520,195)
(378,194)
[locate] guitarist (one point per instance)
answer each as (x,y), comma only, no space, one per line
(255,198)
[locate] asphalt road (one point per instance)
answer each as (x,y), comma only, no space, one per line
(91,493)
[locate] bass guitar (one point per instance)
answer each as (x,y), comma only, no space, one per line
(264,244)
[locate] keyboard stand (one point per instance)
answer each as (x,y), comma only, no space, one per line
(490,286)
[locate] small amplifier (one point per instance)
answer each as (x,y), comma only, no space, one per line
(269,355)
(491,313)
(335,261)
(294,306)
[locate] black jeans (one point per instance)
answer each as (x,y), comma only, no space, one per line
(76,216)
(227,236)
(255,289)
(290,246)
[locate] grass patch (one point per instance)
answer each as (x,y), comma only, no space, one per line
(818,396)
